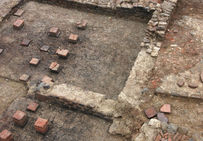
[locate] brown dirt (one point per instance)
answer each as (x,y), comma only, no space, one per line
(100,61)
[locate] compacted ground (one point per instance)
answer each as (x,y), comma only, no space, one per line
(64,124)
(100,61)
(9,91)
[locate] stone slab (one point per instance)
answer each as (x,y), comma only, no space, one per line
(77,98)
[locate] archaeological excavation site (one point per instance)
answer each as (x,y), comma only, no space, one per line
(101,70)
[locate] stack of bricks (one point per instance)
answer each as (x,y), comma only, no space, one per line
(171,137)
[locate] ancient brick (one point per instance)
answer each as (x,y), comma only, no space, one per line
(41,125)
(32,106)
(62,53)
(6,135)
(166,108)
(81,25)
(54,66)
(150,112)
(24,77)
(18,24)
(54,32)
(73,38)
(19,12)
(44,48)
(26,42)
(34,61)
(20,118)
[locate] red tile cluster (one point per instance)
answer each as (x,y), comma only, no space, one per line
(171,137)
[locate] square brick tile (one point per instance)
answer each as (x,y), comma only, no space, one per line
(166,108)
(6,135)
(48,80)
(81,25)
(32,106)
(41,125)
(150,112)
(73,38)
(1,51)
(20,118)
(62,53)
(18,24)
(25,42)
(54,32)
(34,61)
(24,77)
(19,12)
(44,48)
(55,67)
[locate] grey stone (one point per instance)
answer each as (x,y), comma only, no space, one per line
(172,128)
(164,126)
(162,117)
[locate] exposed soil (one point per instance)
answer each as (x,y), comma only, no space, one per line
(64,124)
(100,61)
(187,37)
(185,31)
(9,91)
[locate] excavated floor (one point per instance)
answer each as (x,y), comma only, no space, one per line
(99,62)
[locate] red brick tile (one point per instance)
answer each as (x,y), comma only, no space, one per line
(54,66)
(73,38)
(26,42)
(19,12)
(158,137)
(18,24)
(6,135)
(81,25)
(166,108)
(62,53)
(34,61)
(44,48)
(41,125)
(46,79)
(24,77)
(32,106)
(54,31)
(1,51)
(20,118)
(150,112)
